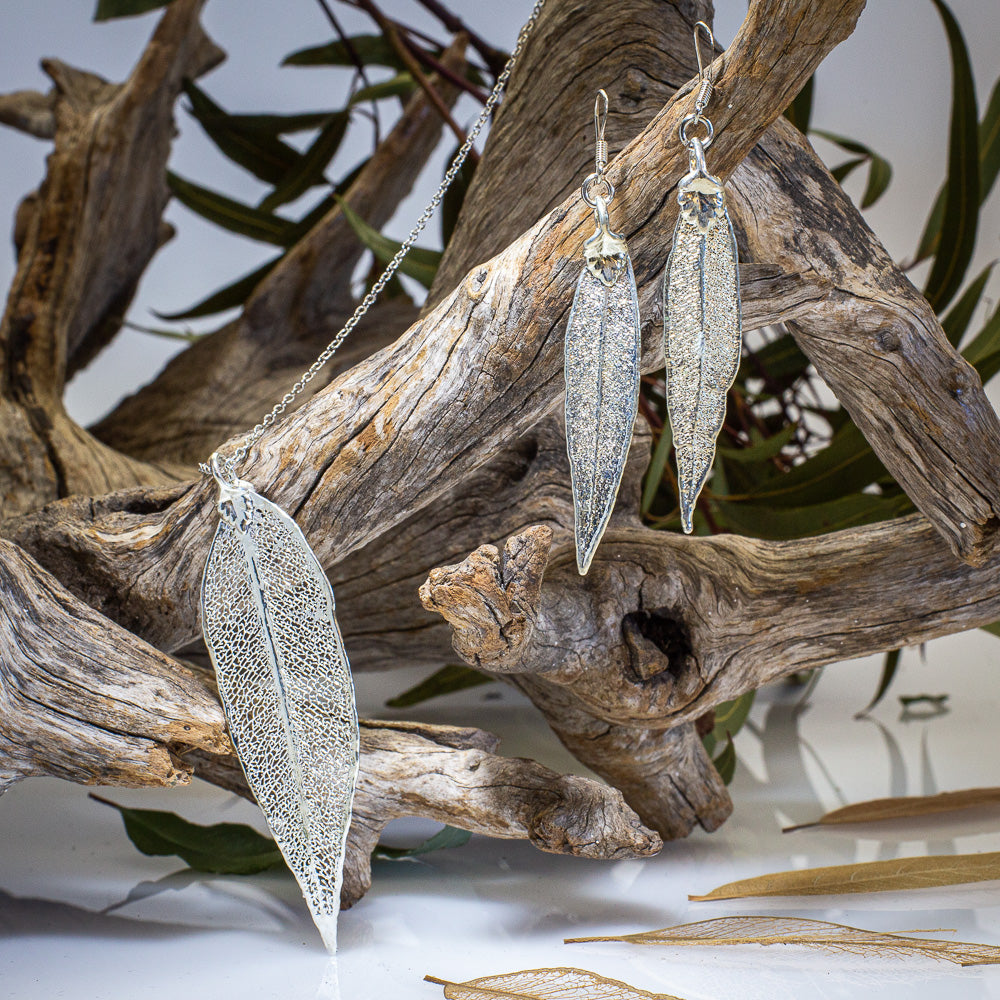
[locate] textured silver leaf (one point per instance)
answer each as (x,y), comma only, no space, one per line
(286,688)
(602,396)
(702,332)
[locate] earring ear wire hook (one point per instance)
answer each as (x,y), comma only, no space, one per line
(705,84)
(600,121)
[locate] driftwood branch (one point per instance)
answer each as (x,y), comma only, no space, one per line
(877,342)
(93,704)
(393,434)
(81,698)
(443,443)
(454,776)
(224,383)
(83,243)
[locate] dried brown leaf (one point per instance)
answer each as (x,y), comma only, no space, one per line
(810,934)
(906,807)
(873,876)
(545,984)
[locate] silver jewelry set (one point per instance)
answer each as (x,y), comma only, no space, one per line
(701,334)
(267,608)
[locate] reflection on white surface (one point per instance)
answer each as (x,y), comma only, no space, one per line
(84,915)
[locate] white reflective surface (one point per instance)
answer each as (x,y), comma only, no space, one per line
(84,915)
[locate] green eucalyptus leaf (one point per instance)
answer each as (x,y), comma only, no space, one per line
(188,336)
(799,112)
(109,9)
(274,125)
(931,237)
(725,763)
(985,343)
(729,719)
(763,448)
(231,214)
(446,838)
(844,170)
(879,168)
(989,166)
(989,144)
(265,156)
(749,468)
(654,475)
(223,848)
(988,366)
(309,170)
(958,318)
(890,667)
(230,297)
(449,679)
(371,50)
(960,217)
(401,85)
(879,178)
(993,629)
(763,520)
(420,264)
(781,360)
(844,467)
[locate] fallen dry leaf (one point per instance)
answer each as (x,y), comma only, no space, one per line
(545,984)
(873,876)
(811,934)
(905,807)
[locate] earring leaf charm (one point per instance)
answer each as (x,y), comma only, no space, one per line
(701,311)
(602,364)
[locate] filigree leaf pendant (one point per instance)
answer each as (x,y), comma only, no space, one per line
(285,683)
(602,383)
(702,329)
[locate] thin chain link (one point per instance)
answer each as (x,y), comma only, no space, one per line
(373,293)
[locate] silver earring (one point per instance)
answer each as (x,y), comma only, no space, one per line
(602,362)
(701,308)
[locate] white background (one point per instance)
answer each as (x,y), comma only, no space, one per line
(494,906)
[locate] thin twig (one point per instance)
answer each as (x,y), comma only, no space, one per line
(410,61)
(495,58)
(355,58)
(443,71)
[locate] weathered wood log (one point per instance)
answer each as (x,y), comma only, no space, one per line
(440,443)
(225,382)
(479,369)
(82,249)
(877,342)
(708,620)
(82,699)
(453,776)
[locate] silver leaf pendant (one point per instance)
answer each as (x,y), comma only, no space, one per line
(268,618)
(701,326)
(602,382)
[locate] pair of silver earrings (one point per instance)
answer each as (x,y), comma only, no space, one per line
(701,326)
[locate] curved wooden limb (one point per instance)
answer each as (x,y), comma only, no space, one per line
(452,775)
(666,627)
(876,342)
(684,624)
(224,382)
(489,599)
(81,698)
(84,241)
(665,775)
(469,786)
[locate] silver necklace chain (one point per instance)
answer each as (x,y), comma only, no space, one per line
(373,293)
